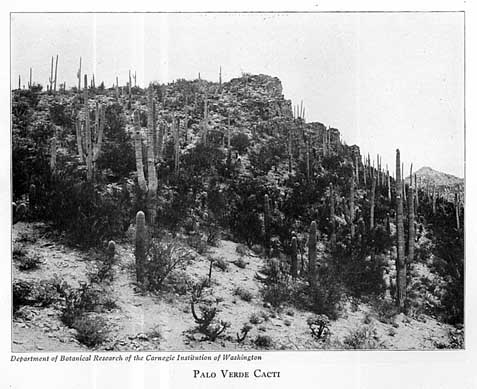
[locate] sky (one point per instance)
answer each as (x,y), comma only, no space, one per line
(385,80)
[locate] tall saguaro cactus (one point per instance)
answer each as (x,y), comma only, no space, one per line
(312,253)
(205,121)
(294,257)
(148,188)
(78,75)
(412,232)
(351,206)
(457,209)
(89,141)
(332,218)
(56,72)
(140,252)
(372,200)
(400,260)
(266,223)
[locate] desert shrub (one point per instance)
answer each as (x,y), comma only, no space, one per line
(263,341)
(221,263)
(91,330)
(103,268)
(255,318)
(178,282)
(117,152)
(319,326)
(36,293)
(89,214)
(165,254)
(243,293)
(86,298)
(29,262)
(241,263)
(240,142)
(198,243)
(276,294)
(386,311)
(60,115)
(19,252)
(363,338)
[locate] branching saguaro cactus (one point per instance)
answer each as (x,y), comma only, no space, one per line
(266,224)
(140,252)
(148,188)
(412,232)
(89,141)
(400,260)
(312,254)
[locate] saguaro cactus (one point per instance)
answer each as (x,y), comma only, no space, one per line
(266,223)
(177,149)
(111,251)
(332,218)
(434,199)
(372,200)
(412,232)
(78,75)
(140,252)
(117,89)
(457,209)
(89,142)
(400,260)
(312,253)
(205,121)
(50,79)
(56,71)
(294,257)
(351,206)
(148,188)
(53,155)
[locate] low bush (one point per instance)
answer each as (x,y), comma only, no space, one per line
(255,319)
(86,298)
(241,263)
(221,263)
(263,341)
(165,255)
(36,293)
(243,293)
(91,330)
(29,262)
(362,338)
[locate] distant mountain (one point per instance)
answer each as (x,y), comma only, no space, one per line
(427,175)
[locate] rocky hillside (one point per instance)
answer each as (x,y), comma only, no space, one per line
(220,206)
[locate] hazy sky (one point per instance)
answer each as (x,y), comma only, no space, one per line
(386,80)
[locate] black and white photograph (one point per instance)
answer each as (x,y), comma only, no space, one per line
(237,182)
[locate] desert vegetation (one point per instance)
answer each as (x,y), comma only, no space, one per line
(222,218)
